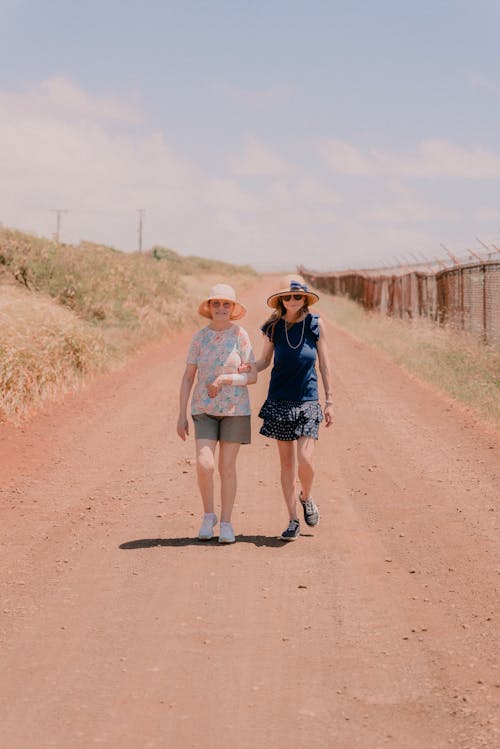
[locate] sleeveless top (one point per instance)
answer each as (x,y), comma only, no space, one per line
(293,376)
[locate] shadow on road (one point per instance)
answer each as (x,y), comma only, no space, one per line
(146,543)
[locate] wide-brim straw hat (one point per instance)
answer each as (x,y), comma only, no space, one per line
(293,284)
(225,293)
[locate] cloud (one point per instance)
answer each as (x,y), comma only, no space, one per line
(258,160)
(343,158)
(63,148)
(59,97)
(300,202)
(97,157)
(399,204)
(401,210)
(312,191)
(484,83)
(227,192)
(486,213)
(434,158)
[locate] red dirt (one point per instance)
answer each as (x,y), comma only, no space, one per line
(379,628)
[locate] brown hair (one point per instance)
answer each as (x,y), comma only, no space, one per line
(279,312)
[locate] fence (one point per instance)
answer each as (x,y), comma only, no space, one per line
(466,296)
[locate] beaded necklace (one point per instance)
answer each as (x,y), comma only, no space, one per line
(301,335)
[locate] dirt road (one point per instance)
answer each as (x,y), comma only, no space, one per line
(380,628)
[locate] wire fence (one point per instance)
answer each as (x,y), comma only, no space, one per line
(465,297)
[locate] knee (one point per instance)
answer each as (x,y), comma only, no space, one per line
(205,465)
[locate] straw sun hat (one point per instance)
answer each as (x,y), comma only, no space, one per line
(293,284)
(225,293)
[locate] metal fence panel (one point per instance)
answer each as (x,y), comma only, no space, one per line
(466,297)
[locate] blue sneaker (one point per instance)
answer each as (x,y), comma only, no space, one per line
(311,512)
(292,531)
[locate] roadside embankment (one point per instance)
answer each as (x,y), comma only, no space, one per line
(69,312)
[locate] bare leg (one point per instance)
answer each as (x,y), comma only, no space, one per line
(287,461)
(228,452)
(305,455)
(205,467)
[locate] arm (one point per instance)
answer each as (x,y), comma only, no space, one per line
(251,373)
(247,365)
(266,355)
(324,368)
(186,387)
(263,362)
(246,373)
(237,380)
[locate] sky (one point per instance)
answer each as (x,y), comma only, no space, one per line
(331,135)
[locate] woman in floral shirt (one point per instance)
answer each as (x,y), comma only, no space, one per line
(220,406)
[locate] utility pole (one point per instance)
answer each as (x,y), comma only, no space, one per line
(58,212)
(141,212)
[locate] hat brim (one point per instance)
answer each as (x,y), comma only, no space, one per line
(239,310)
(312,298)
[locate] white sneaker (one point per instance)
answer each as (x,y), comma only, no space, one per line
(226,534)
(206,531)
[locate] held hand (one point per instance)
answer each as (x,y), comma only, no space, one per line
(250,370)
(182,427)
(213,388)
(328,411)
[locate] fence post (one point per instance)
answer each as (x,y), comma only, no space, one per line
(462,305)
(485,308)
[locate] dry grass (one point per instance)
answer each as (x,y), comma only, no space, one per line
(44,350)
(67,312)
(98,283)
(454,362)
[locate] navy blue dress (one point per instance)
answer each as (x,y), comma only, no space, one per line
(291,409)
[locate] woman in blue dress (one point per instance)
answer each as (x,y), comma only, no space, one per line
(291,414)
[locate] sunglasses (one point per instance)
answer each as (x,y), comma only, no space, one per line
(297,297)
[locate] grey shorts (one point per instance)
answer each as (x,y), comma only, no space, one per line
(222,428)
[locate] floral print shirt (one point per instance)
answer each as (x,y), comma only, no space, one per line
(216,352)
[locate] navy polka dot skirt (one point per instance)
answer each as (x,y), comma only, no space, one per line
(289,420)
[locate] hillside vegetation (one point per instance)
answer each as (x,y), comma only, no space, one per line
(67,312)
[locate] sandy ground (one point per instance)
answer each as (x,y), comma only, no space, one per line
(379,628)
